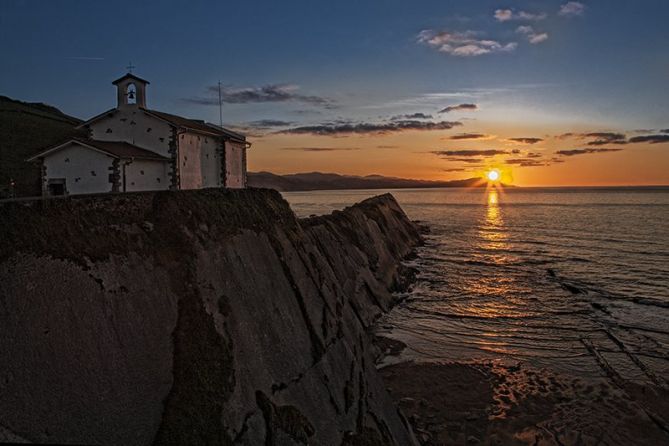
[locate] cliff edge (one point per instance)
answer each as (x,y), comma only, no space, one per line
(196,317)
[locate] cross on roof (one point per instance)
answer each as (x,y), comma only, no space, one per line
(130,67)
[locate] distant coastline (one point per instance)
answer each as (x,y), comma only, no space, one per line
(312,181)
(318,181)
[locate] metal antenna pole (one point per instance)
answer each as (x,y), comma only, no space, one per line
(220,105)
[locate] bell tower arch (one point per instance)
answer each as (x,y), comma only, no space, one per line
(130,91)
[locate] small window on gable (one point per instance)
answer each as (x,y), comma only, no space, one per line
(93,174)
(158,180)
(148,130)
(161,139)
(67,160)
(109,130)
(141,172)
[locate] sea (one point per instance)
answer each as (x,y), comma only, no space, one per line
(571,279)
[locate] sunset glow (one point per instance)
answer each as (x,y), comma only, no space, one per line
(493,175)
(440,91)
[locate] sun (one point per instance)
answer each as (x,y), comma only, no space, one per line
(493,175)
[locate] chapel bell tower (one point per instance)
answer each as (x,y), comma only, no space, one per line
(131,91)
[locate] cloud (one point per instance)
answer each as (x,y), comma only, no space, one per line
(538,38)
(454,169)
(505,15)
(306,112)
(262,94)
(532,36)
(604,138)
(459,107)
(472,136)
(411,116)
(474,161)
(334,129)
(463,44)
(652,139)
(524,162)
(572,9)
(526,140)
(574,152)
(467,152)
(267,123)
(598,138)
(320,149)
(259,128)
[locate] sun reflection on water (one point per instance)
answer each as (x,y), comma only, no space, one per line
(492,248)
(493,197)
(492,232)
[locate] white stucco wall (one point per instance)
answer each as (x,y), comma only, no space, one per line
(85,171)
(132,125)
(199,162)
(234,165)
(145,175)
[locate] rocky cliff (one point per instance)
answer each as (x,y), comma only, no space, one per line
(196,317)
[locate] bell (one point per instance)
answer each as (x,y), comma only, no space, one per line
(131,95)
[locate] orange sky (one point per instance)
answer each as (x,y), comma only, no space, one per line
(408,155)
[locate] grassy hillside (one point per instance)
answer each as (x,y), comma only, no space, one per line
(25,129)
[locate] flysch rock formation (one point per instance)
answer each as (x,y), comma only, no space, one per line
(196,317)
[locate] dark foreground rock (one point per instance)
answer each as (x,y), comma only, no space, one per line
(491,403)
(201,317)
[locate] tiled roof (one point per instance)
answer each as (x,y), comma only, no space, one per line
(178,121)
(116,149)
(122,149)
(130,76)
(193,124)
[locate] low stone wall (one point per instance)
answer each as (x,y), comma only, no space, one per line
(196,317)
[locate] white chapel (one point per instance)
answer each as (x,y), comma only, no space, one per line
(133,148)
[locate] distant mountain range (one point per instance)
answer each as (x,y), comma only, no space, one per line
(333,181)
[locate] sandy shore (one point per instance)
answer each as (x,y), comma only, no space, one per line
(494,403)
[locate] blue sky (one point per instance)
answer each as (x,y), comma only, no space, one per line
(551,65)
